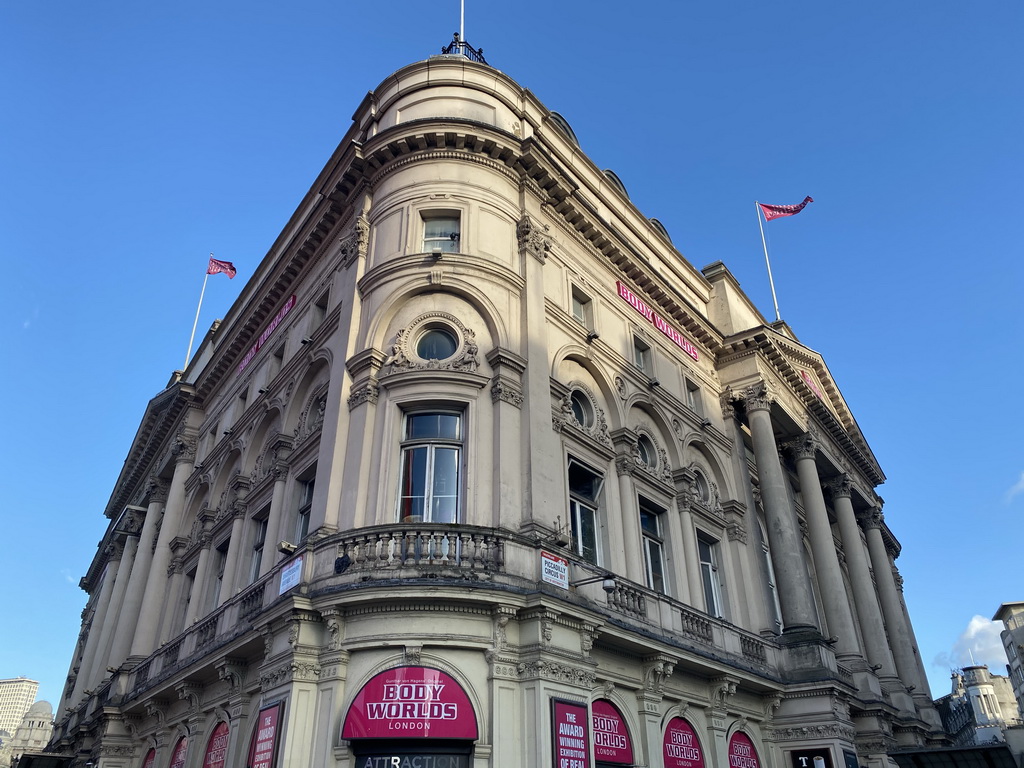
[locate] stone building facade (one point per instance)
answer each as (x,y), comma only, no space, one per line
(16,696)
(480,470)
(1012,616)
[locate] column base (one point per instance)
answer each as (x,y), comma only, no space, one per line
(806,655)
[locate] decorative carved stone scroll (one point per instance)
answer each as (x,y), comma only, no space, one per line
(533,239)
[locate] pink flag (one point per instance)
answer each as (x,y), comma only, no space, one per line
(775,211)
(227,267)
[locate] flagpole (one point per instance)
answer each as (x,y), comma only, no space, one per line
(764,243)
(196,321)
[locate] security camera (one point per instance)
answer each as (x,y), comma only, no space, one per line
(286,547)
(608,584)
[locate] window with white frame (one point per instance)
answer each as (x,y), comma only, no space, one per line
(776,606)
(582,308)
(441,233)
(431,467)
(584,500)
(258,545)
(653,543)
(693,398)
(642,355)
(305,507)
(707,550)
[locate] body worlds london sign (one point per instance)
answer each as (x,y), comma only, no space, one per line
(657,321)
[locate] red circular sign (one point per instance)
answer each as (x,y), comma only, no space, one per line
(610,735)
(742,753)
(681,747)
(410,703)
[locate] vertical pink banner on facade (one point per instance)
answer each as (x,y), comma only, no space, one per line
(742,753)
(681,747)
(264,738)
(611,737)
(569,731)
(217,747)
(178,755)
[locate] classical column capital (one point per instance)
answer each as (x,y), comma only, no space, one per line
(156,490)
(184,448)
(533,239)
(756,396)
(871,518)
(804,447)
(839,485)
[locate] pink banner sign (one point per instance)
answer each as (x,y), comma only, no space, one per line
(681,746)
(741,752)
(410,703)
(611,737)
(264,737)
(569,732)
(150,758)
(657,321)
(178,755)
(809,381)
(217,747)
(267,333)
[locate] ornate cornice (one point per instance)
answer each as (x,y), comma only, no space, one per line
(551,670)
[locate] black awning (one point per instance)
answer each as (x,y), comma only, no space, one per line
(985,756)
(39,760)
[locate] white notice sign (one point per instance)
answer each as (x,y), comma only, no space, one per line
(291,575)
(554,570)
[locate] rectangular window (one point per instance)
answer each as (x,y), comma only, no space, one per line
(654,547)
(305,508)
(441,234)
(707,549)
(693,398)
(220,562)
(259,542)
(584,496)
(582,308)
(642,355)
(431,468)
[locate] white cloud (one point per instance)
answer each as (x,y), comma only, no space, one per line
(979,643)
(1016,490)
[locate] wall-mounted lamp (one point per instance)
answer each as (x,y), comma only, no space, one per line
(436,254)
(705,423)
(286,548)
(263,390)
(653,383)
(606,579)
(592,337)
(306,340)
(227,433)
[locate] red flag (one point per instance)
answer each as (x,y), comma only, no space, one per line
(226,267)
(775,211)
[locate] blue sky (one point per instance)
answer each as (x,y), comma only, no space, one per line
(136,138)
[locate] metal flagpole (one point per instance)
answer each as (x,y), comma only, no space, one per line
(462,20)
(196,321)
(764,243)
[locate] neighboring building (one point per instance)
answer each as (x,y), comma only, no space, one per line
(1012,616)
(980,707)
(16,696)
(480,470)
(34,732)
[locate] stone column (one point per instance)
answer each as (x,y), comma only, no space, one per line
(128,619)
(99,617)
(892,610)
(197,603)
(629,519)
(787,551)
(112,619)
(870,615)
(826,561)
(270,553)
(144,642)
(235,548)
(507,396)
(691,590)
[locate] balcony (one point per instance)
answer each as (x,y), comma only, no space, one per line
(346,563)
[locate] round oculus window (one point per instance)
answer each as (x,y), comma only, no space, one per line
(581,408)
(646,452)
(437,344)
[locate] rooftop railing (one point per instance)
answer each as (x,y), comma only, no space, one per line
(462,48)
